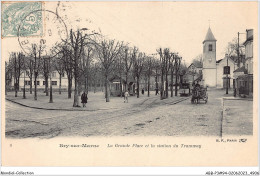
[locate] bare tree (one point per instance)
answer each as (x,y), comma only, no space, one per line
(107,51)
(172,67)
(234,49)
(8,74)
(74,48)
(36,52)
(167,60)
(59,66)
(86,59)
(162,64)
(17,62)
(95,70)
(127,62)
(138,63)
(149,67)
(29,64)
(198,61)
(177,64)
(67,62)
(46,72)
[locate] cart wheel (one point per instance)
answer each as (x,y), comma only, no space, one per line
(206,100)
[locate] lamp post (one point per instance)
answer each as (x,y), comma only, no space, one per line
(227,70)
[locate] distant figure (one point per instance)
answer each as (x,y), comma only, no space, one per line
(156,91)
(84,99)
(197,85)
(143,91)
(126,95)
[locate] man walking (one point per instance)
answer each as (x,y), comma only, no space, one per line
(84,99)
(126,96)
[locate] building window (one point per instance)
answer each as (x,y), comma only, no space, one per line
(38,83)
(27,82)
(27,73)
(210,47)
(54,83)
(62,74)
(43,83)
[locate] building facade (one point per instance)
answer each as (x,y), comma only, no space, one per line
(224,80)
(25,80)
(244,75)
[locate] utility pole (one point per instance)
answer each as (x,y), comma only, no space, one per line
(238,59)
(227,85)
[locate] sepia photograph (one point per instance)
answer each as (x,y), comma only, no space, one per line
(108,77)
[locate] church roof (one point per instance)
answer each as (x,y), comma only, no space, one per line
(209,36)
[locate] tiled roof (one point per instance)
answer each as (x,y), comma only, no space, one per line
(241,69)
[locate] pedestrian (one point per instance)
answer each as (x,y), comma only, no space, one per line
(126,95)
(143,91)
(84,99)
(156,91)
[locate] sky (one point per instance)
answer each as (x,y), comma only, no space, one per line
(180,26)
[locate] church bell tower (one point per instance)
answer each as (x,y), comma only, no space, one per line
(209,60)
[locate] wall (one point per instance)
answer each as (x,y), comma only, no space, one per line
(220,71)
(209,77)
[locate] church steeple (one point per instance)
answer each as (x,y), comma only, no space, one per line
(209,60)
(209,36)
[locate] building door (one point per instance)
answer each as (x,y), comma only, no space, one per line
(226,82)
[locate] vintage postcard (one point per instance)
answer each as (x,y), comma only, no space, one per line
(129,83)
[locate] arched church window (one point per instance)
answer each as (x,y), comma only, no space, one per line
(210,47)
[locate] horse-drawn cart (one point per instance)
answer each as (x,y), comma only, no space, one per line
(199,93)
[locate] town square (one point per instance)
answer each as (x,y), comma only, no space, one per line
(87,75)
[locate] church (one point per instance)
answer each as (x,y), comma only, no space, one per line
(213,71)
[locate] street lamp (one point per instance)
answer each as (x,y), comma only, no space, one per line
(227,75)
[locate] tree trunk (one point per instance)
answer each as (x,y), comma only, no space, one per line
(126,82)
(87,85)
(69,86)
(76,94)
(107,89)
(35,87)
(15,88)
(161,92)
(60,84)
(46,85)
(171,83)
(166,85)
(148,87)
(31,84)
(121,90)
(176,86)
(137,91)
(51,98)
(95,85)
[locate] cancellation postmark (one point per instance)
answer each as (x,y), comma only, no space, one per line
(54,31)
(17,16)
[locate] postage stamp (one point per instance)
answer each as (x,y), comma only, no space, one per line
(25,17)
